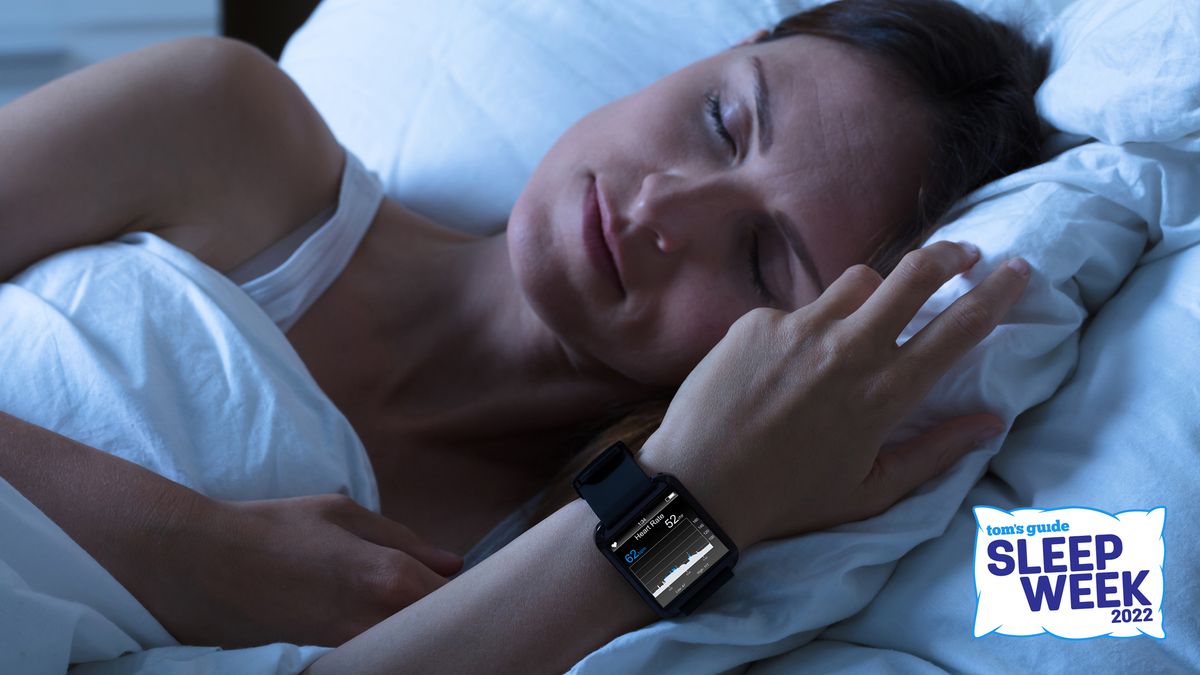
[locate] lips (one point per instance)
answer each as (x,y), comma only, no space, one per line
(597,240)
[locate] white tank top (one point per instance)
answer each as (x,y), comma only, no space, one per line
(286,278)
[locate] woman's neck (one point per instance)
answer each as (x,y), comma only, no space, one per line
(471,361)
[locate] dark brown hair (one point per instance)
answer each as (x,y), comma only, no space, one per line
(976,78)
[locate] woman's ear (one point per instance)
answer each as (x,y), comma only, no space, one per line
(756,37)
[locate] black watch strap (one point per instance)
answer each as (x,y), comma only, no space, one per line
(613,483)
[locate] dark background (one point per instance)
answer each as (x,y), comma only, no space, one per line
(266,24)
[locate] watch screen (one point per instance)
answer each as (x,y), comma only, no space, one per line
(669,549)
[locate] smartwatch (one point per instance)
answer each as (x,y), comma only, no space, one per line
(655,533)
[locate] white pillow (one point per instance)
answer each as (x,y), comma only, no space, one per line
(1124,72)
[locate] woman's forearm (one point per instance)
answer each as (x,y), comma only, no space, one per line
(122,514)
(538,605)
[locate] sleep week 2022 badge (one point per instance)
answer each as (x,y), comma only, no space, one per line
(1072,572)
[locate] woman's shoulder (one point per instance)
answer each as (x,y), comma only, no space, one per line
(204,141)
(272,166)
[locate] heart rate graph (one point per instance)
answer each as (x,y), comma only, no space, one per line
(677,559)
(678,572)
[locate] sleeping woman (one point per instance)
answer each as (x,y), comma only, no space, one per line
(696,269)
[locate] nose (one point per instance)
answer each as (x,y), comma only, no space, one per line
(679,208)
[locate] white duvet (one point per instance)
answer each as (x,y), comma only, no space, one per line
(1107,419)
(136,347)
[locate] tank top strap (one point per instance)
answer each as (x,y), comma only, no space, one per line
(287,291)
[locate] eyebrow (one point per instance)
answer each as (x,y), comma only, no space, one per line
(762,110)
(762,106)
(796,241)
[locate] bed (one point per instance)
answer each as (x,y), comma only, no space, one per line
(1095,370)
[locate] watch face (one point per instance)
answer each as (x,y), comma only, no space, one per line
(668,549)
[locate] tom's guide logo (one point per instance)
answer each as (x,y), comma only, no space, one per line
(1072,572)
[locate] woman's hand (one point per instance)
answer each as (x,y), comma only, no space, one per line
(778,430)
(312,570)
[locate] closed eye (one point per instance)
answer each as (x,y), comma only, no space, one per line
(713,105)
(755,268)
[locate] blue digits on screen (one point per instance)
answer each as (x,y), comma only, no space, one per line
(633,555)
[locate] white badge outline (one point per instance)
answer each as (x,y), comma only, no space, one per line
(1039,511)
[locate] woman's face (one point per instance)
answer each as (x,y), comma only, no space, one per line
(780,163)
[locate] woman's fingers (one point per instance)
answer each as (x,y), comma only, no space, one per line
(910,285)
(848,292)
(900,469)
(392,580)
(964,324)
(407,579)
(386,532)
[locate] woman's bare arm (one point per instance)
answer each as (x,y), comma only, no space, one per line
(309,570)
(203,140)
(122,514)
(536,606)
